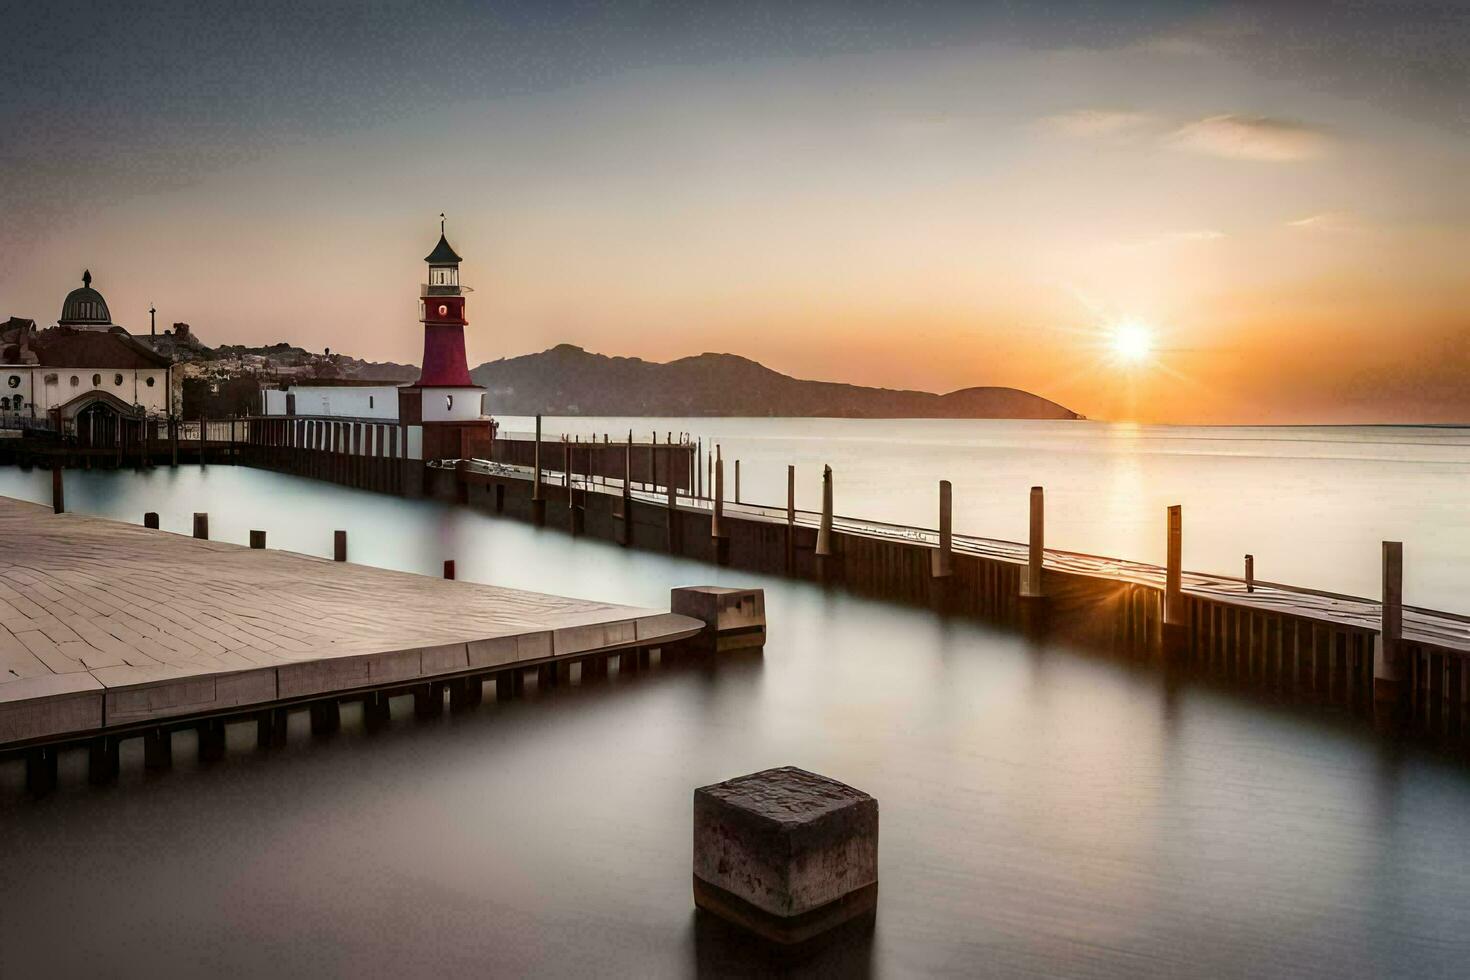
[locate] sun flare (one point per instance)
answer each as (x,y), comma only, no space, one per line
(1132,342)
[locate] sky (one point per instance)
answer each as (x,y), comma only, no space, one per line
(1275,196)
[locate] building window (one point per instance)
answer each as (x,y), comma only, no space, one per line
(14,381)
(75,381)
(117,380)
(5,403)
(96,381)
(149,382)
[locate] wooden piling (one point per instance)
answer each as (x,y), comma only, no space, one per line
(1250,573)
(1388,688)
(257,540)
(1036,547)
(339,545)
(449,568)
(58,491)
(538,499)
(201,526)
(824,529)
(737,481)
(942,560)
(717,515)
(790,519)
(150,519)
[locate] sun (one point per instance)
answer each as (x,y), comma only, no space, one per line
(1132,342)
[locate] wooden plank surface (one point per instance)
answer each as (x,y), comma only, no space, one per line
(148,624)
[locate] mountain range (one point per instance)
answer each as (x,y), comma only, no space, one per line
(567,380)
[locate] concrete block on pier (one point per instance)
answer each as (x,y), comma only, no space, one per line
(734,618)
(785,853)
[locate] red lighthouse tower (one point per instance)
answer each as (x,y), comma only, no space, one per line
(445,399)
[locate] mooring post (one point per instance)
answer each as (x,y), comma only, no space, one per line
(339,545)
(737,481)
(1036,547)
(824,529)
(173,440)
(201,526)
(1388,688)
(671,513)
(449,568)
(717,514)
(58,492)
(790,518)
(538,502)
(150,519)
(1176,624)
(1250,573)
(257,540)
(942,560)
(202,428)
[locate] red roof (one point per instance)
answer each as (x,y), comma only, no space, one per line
(64,348)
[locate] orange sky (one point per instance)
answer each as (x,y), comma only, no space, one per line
(984,213)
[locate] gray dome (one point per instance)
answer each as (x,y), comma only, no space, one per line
(84,306)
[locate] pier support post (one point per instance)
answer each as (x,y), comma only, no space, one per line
(339,545)
(671,513)
(201,526)
(1175,630)
(173,440)
(211,739)
(41,770)
(257,540)
(737,481)
(150,520)
(1032,592)
(158,749)
(625,514)
(102,760)
(326,717)
(428,700)
(824,529)
(791,519)
(508,685)
(1250,573)
(1388,667)
(941,564)
(717,529)
(58,491)
(538,502)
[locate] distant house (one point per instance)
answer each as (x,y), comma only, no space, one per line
(84,370)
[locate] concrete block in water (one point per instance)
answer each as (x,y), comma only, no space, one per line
(785,853)
(734,618)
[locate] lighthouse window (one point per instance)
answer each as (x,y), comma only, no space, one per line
(117,380)
(149,382)
(370,401)
(449,402)
(75,381)
(14,381)
(96,381)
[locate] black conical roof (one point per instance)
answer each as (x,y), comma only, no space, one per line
(442,254)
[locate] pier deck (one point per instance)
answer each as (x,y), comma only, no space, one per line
(105,625)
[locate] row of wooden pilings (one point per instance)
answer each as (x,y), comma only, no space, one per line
(1283,650)
(1287,653)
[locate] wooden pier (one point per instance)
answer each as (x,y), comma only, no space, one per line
(110,631)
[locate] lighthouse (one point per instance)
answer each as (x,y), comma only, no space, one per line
(445,399)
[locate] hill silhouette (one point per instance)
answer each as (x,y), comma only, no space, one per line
(567,380)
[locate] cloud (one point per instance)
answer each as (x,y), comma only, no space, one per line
(1252,138)
(1326,221)
(1098,122)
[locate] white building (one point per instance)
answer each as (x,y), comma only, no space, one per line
(83,366)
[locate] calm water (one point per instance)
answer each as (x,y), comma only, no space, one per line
(1312,504)
(1044,812)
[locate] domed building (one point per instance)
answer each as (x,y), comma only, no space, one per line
(86,375)
(85,308)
